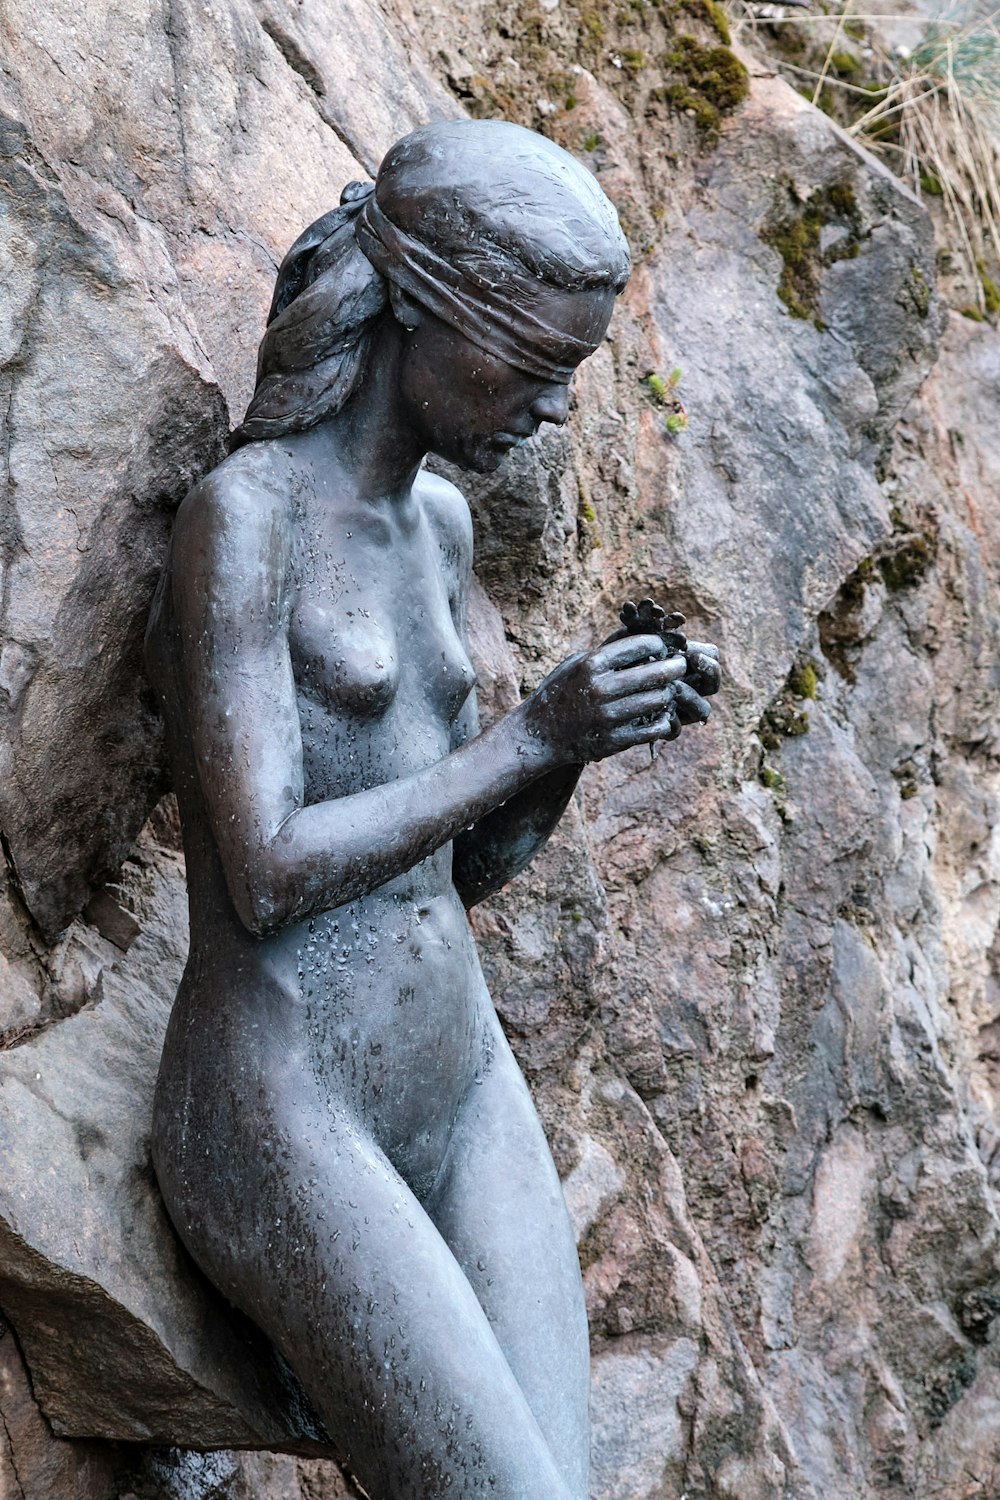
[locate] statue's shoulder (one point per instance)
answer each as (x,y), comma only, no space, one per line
(235,506)
(446,508)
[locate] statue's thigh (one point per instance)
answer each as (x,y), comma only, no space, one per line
(356,1286)
(499,1205)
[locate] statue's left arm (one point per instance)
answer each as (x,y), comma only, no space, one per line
(504,841)
(498,847)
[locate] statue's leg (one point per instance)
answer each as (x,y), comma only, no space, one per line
(350,1278)
(499,1205)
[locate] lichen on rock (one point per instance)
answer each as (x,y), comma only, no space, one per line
(752,985)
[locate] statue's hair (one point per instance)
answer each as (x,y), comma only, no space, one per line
(485,195)
(327,300)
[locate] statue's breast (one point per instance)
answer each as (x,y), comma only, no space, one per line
(344,658)
(447,673)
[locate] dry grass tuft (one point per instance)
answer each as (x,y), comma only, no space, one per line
(933,114)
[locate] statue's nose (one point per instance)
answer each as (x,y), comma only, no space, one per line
(552,404)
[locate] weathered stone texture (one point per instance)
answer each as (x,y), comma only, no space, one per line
(753,983)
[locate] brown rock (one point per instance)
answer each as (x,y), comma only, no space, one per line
(765,963)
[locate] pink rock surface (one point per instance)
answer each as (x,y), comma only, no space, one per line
(752,984)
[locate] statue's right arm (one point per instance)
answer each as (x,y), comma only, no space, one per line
(284,860)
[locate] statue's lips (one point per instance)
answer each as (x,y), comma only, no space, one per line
(510,439)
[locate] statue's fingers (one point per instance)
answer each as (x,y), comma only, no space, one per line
(626,651)
(645,677)
(639,707)
(672,725)
(703,673)
(665,727)
(691,706)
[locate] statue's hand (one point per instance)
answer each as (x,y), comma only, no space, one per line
(702,673)
(628,692)
(704,670)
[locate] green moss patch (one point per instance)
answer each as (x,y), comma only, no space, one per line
(908,559)
(797,239)
(906,778)
(803,680)
(785,718)
(781,722)
(846,65)
(991,292)
(919,291)
(710,11)
(710,82)
(633,60)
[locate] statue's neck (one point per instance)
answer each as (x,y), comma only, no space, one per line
(371,438)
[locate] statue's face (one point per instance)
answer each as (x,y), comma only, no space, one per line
(471,407)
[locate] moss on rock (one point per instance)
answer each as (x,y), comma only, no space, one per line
(798,240)
(711,82)
(713,13)
(803,680)
(908,561)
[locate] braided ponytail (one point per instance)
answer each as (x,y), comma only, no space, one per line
(327,299)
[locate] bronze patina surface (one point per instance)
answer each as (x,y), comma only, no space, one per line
(342,1137)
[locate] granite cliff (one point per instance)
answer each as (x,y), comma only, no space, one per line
(753,984)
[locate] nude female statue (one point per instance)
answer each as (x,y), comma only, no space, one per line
(341,1135)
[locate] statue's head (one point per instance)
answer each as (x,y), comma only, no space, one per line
(492,248)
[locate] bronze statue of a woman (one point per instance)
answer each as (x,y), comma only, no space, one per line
(342,1136)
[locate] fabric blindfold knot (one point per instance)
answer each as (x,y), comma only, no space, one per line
(489,305)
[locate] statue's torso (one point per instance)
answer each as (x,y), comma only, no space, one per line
(380,1003)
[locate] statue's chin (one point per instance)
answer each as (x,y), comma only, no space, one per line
(480,460)
(486,463)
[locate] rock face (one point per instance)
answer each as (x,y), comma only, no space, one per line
(753,983)
(92,1275)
